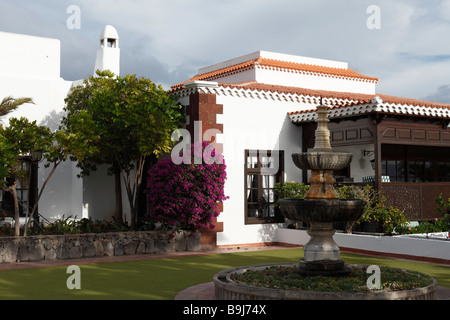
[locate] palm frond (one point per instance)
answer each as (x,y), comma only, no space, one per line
(9,103)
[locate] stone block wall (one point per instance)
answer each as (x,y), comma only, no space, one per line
(53,247)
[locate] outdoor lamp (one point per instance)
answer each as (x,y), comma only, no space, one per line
(368,153)
(36,155)
(372,163)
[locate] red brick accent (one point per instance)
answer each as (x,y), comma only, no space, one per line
(204,109)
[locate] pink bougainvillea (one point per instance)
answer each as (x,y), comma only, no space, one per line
(187,195)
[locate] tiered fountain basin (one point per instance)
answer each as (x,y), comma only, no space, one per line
(322,160)
(321,210)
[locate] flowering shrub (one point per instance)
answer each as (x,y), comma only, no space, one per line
(186,196)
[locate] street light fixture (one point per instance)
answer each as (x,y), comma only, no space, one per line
(36,157)
(369,153)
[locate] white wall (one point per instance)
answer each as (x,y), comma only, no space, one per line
(99,195)
(438,249)
(360,166)
(253,124)
(29,56)
(30,67)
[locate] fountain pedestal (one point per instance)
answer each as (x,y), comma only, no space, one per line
(321,253)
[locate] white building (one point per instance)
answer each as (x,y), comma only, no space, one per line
(263,104)
(30,67)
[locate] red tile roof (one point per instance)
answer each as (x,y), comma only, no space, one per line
(341,72)
(350,98)
(277,64)
(358,102)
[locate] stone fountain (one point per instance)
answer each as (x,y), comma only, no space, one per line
(320,208)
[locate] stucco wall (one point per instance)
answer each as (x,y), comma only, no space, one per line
(258,124)
(396,245)
(30,67)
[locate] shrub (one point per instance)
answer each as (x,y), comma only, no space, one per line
(186,196)
(290,190)
(71,225)
(376,210)
(392,218)
(443,205)
(436,225)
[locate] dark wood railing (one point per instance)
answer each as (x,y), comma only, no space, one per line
(416,200)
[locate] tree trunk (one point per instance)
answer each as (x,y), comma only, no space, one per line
(349,226)
(27,220)
(118,215)
(16,211)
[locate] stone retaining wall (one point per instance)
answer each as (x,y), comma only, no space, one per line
(53,247)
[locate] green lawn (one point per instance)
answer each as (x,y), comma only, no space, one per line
(158,279)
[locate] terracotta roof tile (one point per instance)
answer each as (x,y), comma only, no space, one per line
(341,72)
(361,97)
(271,63)
(350,98)
(217,73)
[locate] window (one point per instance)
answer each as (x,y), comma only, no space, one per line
(420,171)
(263,169)
(395,169)
(415,163)
(444,171)
(22,188)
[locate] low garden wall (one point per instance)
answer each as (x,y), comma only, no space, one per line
(409,247)
(54,247)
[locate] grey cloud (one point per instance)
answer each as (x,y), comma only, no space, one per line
(442,94)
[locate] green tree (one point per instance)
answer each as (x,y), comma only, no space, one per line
(7,159)
(21,138)
(120,121)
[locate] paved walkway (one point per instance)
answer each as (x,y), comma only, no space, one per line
(204,291)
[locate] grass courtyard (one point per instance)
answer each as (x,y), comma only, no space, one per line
(162,279)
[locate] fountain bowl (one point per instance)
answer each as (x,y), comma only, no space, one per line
(227,289)
(322,160)
(322,210)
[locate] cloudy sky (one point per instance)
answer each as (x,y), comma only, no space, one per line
(407,45)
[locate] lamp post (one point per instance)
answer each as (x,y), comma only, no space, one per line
(36,157)
(368,153)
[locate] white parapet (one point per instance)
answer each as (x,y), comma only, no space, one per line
(396,245)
